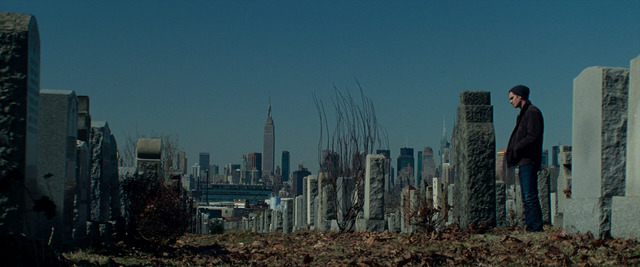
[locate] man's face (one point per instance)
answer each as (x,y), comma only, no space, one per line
(515,100)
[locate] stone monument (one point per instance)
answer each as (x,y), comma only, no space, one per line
(58,156)
(599,148)
(474,196)
(625,212)
(19,99)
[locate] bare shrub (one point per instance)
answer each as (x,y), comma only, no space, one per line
(157,214)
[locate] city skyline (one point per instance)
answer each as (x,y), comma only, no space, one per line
(203,71)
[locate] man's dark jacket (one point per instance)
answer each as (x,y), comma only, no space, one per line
(525,144)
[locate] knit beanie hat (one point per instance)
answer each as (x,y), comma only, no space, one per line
(521,90)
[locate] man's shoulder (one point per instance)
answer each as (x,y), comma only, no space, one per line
(533,108)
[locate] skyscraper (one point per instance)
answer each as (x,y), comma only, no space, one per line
(555,150)
(428,165)
(297,177)
(204,164)
(286,161)
(255,162)
(406,165)
(182,162)
(269,144)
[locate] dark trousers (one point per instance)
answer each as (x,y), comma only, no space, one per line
(529,186)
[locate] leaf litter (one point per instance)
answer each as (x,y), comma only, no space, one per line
(451,246)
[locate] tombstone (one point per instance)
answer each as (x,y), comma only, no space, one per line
(328,199)
(148,156)
(519,204)
(428,165)
(391,223)
(83,189)
(298,214)
(409,204)
(437,193)
(267,221)
(564,183)
(19,121)
(373,207)
(311,195)
(276,220)
(104,198)
(544,194)
(474,196)
(625,211)
(448,212)
(599,146)
(346,189)
(501,209)
(287,215)
(58,155)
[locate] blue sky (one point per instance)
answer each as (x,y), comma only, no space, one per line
(204,70)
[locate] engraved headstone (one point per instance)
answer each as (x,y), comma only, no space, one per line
(19,116)
(625,212)
(58,156)
(474,196)
(600,96)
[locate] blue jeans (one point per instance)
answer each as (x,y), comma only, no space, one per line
(529,186)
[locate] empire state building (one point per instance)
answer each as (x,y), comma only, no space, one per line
(269,144)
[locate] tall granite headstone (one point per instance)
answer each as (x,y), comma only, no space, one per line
(599,148)
(287,215)
(105,187)
(373,208)
(625,212)
(19,116)
(328,201)
(83,189)
(474,191)
(58,156)
(312,195)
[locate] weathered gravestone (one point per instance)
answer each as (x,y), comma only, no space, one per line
(287,215)
(599,148)
(564,183)
(58,156)
(544,194)
(373,207)
(20,86)
(474,196)
(328,197)
(298,214)
(83,189)
(105,189)
(625,212)
(148,157)
(276,220)
(409,204)
(311,196)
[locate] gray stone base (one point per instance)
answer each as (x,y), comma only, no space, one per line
(371,225)
(334,226)
(582,215)
(324,225)
(625,217)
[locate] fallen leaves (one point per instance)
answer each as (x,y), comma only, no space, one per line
(451,246)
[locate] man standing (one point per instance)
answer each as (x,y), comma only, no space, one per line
(525,151)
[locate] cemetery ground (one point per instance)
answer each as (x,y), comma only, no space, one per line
(510,246)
